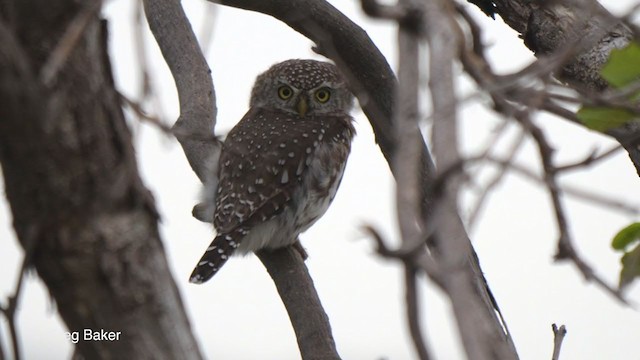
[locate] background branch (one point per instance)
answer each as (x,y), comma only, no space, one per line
(558,336)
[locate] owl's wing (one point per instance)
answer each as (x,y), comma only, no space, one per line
(262,162)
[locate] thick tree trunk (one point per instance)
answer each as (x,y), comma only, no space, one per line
(78,204)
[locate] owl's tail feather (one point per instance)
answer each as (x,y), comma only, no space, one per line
(217,254)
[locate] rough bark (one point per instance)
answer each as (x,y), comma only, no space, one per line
(79,207)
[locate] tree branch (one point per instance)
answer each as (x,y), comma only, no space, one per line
(558,336)
(194,129)
(473,322)
(295,286)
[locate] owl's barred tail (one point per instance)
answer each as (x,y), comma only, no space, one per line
(217,254)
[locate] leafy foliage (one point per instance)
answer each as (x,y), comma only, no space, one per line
(631,259)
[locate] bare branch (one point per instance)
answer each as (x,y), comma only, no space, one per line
(558,337)
(406,161)
(9,310)
(413,312)
(578,193)
(139,111)
(498,177)
(140,49)
(192,76)
(590,160)
(310,322)
(480,343)
(566,249)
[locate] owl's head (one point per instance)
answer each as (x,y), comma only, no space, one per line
(302,87)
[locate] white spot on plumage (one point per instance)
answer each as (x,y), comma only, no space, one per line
(285,177)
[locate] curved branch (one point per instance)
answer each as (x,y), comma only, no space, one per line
(195,126)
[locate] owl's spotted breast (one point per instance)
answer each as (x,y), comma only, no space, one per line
(270,153)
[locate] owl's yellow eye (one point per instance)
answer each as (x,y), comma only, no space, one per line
(284,92)
(323,95)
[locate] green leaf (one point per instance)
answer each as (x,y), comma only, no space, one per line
(604,118)
(626,236)
(630,267)
(622,68)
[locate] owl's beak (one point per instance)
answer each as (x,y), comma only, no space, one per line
(302,106)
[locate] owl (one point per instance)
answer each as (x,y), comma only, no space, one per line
(281,165)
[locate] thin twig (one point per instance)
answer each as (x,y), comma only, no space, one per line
(581,194)
(558,337)
(566,250)
(418,259)
(140,48)
(9,310)
(142,115)
(498,177)
(590,160)
(413,312)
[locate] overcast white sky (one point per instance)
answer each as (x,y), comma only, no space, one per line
(238,314)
